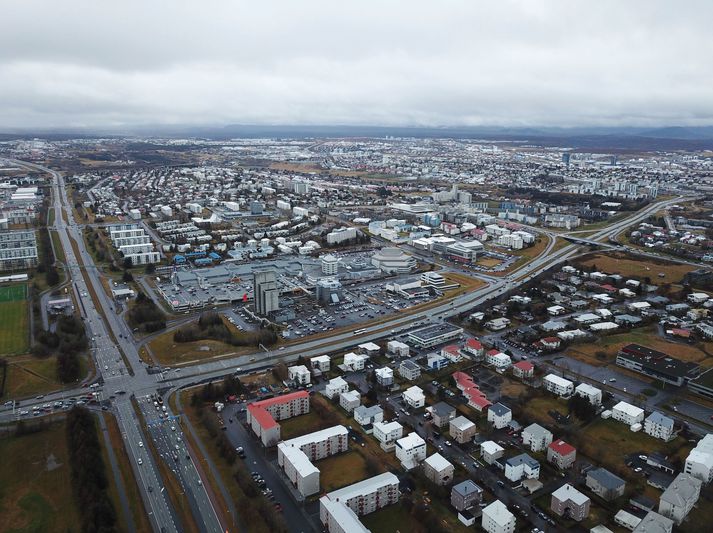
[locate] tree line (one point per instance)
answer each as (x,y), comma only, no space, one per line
(88,473)
(67,342)
(145,314)
(210,325)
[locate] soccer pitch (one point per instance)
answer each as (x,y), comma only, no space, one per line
(13,320)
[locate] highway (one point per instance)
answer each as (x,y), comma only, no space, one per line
(126,376)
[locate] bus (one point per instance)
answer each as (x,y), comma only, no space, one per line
(358,331)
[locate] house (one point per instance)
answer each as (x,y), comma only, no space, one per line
(335,387)
(366,417)
(551,343)
(491,451)
(680,497)
(452,353)
(593,394)
(556,310)
(654,523)
(465,495)
(605,484)
(299,374)
(497,519)
(414,397)
(521,466)
(476,398)
(474,348)
(462,430)
(627,413)
(387,433)
(569,502)
(659,425)
(384,376)
(410,450)
(350,400)
(561,454)
(355,361)
(442,414)
(438,469)
(321,363)
(536,437)
(370,349)
(523,370)
(398,348)
(499,415)
(699,462)
(409,370)
(558,385)
(498,360)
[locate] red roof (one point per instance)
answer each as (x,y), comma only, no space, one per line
(281,399)
(481,401)
(524,365)
(263,417)
(561,447)
(551,340)
(493,351)
(474,343)
(608,288)
(452,348)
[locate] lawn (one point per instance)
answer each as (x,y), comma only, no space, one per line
(646,336)
(609,441)
(13,320)
(627,266)
(168,352)
(35,493)
(341,470)
(538,408)
(28,376)
(301,425)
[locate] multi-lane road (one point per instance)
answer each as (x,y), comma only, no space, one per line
(124,375)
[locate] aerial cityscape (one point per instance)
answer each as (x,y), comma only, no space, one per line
(279,269)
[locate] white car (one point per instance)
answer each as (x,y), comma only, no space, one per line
(173,428)
(140,461)
(141,444)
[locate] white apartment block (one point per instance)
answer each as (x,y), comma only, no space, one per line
(298,469)
(384,376)
(335,387)
(350,400)
(339,510)
(659,425)
(321,363)
(558,385)
(299,374)
(18,250)
(592,394)
(387,433)
(499,415)
(627,413)
(398,348)
(414,397)
(680,497)
(497,519)
(355,361)
(536,437)
(368,416)
(410,450)
(699,462)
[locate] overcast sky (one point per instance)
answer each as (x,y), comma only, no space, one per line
(111,63)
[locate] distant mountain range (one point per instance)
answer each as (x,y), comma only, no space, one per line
(584,138)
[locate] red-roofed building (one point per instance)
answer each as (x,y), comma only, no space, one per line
(263,415)
(452,353)
(476,399)
(561,454)
(551,343)
(523,369)
(474,348)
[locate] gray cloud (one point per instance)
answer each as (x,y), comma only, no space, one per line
(89,63)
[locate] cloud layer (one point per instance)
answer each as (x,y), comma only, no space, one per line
(98,64)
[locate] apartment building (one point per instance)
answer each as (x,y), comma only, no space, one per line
(561,454)
(321,363)
(605,484)
(350,400)
(522,466)
(438,469)
(18,250)
(680,497)
(462,430)
(592,394)
(558,385)
(568,501)
(366,417)
(699,462)
(442,414)
(660,426)
(491,451)
(536,437)
(409,370)
(414,397)
(335,387)
(627,413)
(384,376)
(262,416)
(339,510)
(465,495)
(299,374)
(410,450)
(499,415)
(387,433)
(497,519)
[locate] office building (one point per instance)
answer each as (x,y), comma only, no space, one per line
(18,250)
(266,292)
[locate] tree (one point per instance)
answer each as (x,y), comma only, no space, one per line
(580,407)
(127,277)
(150,268)
(128,263)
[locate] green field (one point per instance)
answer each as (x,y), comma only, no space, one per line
(13,320)
(35,493)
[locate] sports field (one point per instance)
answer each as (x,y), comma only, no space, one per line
(13,320)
